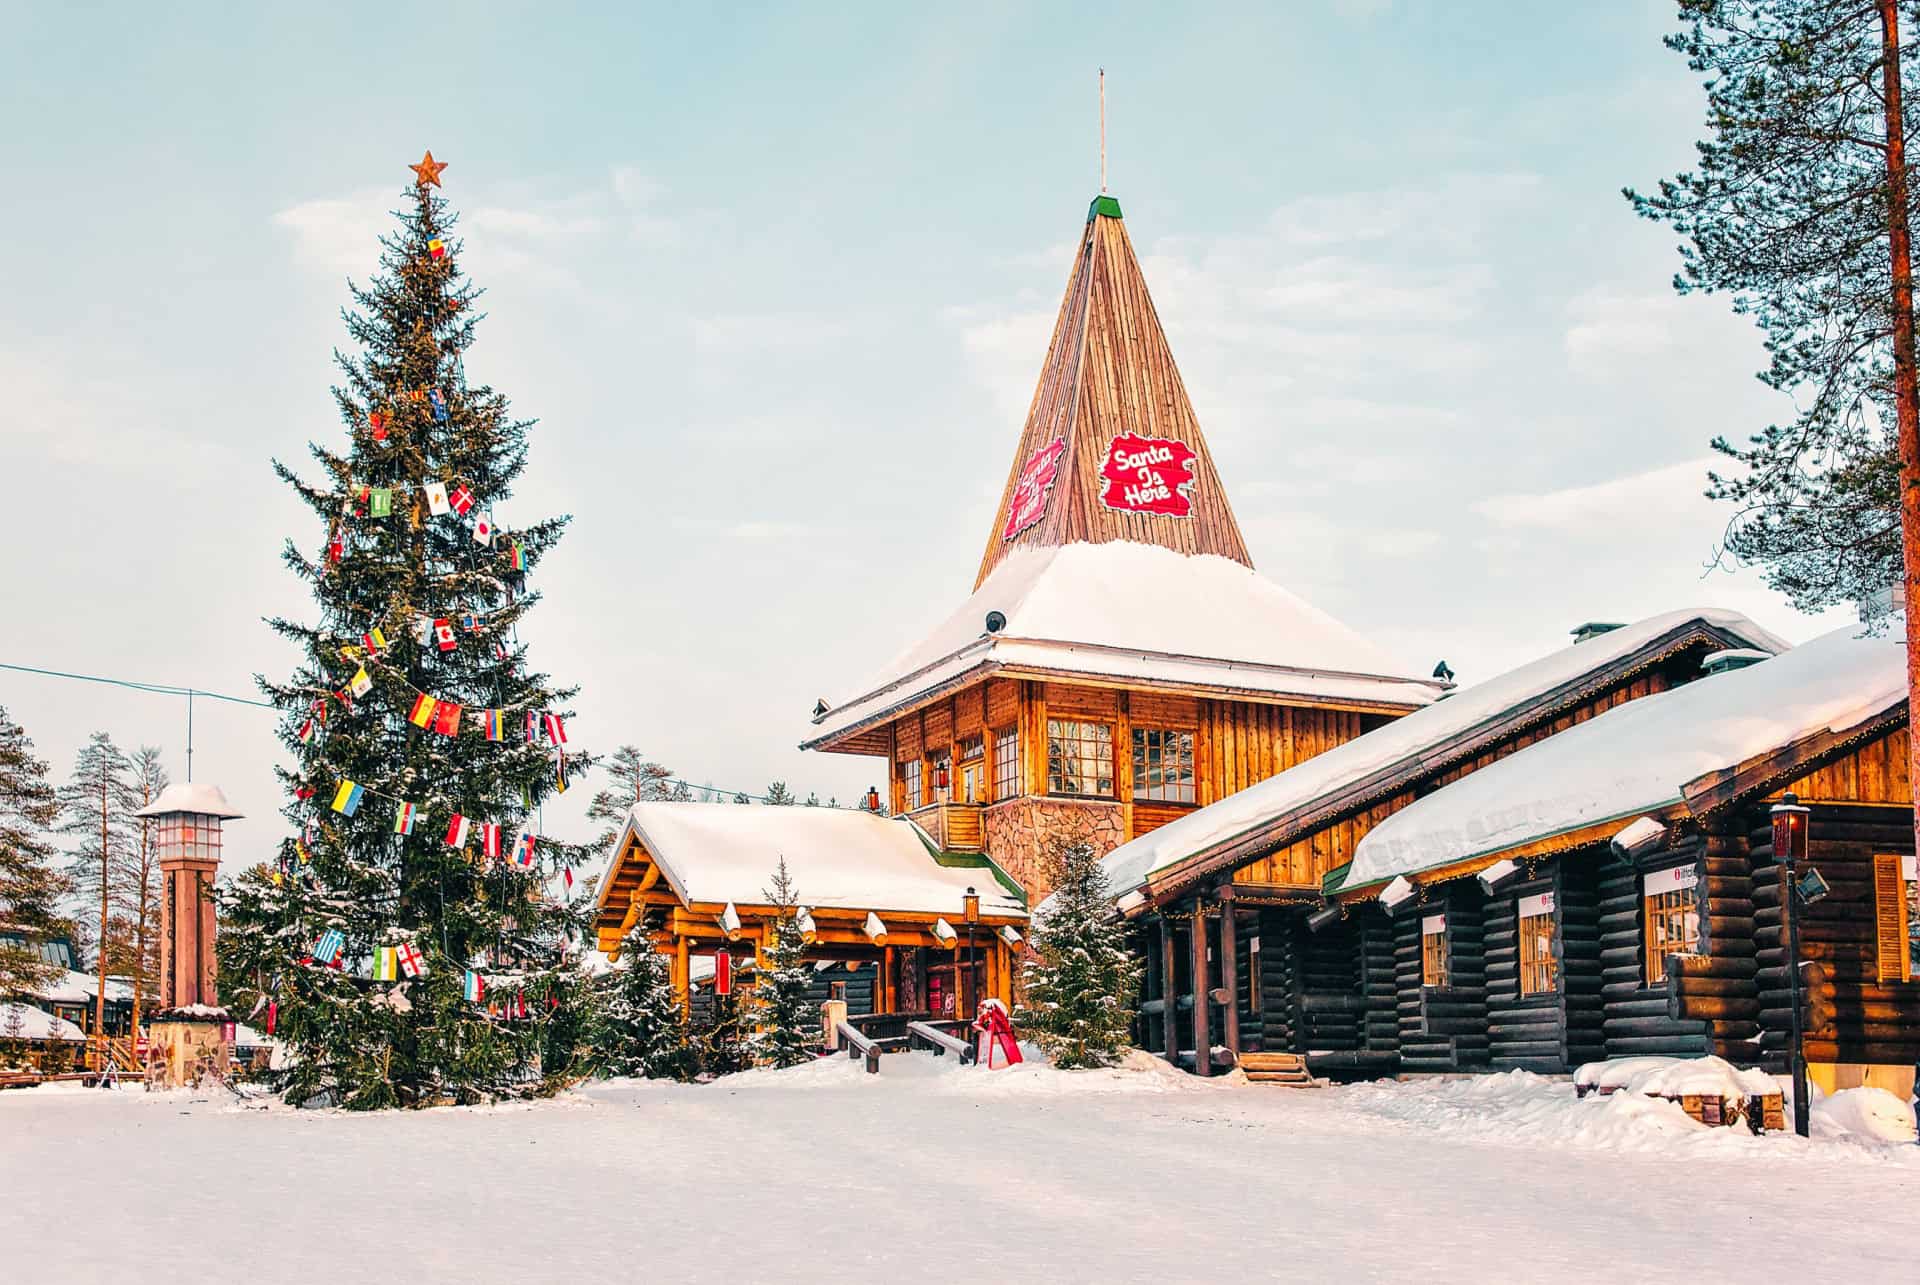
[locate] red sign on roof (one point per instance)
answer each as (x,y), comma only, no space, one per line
(1035,484)
(1147,475)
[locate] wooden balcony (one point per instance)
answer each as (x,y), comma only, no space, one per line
(955,827)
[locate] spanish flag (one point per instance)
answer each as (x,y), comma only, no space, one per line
(422,715)
(436,248)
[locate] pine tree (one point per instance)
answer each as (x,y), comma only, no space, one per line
(137,896)
(95,810)
(30,885)
(415,606)
(632,778)
(720,1037)
(1081,985)
(641,1029)
(784,1019)
(1787,211)
(778,794)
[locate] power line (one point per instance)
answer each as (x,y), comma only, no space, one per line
(169,689)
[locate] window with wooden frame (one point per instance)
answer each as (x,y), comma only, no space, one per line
(1079,758)
(1671,914)
(1896,917)
(1163,765)
(1435,962)
(1538,973)
(1006,763)
(911,783)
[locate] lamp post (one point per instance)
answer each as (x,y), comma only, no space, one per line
(970,903)
(189,1025)
(1789,848)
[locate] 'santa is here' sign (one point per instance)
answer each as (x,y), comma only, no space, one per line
(1148,475)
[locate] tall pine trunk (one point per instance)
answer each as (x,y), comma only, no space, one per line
(100,999)
(1906,392)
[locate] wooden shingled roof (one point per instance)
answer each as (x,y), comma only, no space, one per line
(1109,372)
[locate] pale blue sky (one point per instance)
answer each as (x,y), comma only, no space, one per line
(778,285)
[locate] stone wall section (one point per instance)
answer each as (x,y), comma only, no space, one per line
(1020,832)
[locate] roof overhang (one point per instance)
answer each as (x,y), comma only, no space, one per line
(1289,827)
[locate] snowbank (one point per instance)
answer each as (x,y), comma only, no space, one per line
(1873,1114)
(38,1024)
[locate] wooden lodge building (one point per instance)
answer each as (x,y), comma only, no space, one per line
(906,927)
(1613,891)
(1232,890)
(1120,663)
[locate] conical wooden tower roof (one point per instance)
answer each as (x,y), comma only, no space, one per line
(1110,383)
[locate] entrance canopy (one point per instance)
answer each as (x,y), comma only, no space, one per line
(867,881)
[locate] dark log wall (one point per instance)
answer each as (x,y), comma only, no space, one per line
(1554,1032)
(1443,1029)
(1635,1018)
(859,987)
(1849,1014)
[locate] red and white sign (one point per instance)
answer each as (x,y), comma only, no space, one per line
(722,973)
(1034,485)
(1147,475)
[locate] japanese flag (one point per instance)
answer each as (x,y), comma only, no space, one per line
(437,499)
(483,531)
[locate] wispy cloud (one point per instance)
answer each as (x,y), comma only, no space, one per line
(1635,498)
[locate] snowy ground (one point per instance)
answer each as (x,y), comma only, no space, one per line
(825,1173)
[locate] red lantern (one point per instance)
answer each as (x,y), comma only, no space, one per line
(722,973)
(873,799)
(940,776)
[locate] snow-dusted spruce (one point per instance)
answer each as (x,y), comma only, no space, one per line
(641,1029)
(412,588)
(784,1021)
(1081,983)
(30,886)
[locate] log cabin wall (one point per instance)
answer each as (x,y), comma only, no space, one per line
(1443,1028)
(858,984)
(1378,971)
(1278,1018)
(1554,1030)
(1851,1017)
(1635,1019)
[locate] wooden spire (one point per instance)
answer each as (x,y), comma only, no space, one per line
(1110,385)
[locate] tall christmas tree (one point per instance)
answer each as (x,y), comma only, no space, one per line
(407,946)
(1081,983)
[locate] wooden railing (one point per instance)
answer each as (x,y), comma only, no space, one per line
(858,1045)
(116,1051)
(927,1035)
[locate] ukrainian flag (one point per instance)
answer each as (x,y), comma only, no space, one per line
(346,800)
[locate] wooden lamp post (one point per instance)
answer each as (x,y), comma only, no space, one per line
(190,1025)
(1789,848)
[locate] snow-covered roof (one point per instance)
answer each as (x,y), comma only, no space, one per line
(79,988)
(838,857)
(1637,757)
(191,796)
(37,1024)
(1139,611)
(1388,750)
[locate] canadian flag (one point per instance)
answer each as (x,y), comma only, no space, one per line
(443,634)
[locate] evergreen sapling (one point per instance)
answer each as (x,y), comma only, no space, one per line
(785,1020)
(1081,983)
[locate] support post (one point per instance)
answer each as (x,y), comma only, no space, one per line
(1230,972)
(883,997)
(1169,1009)
(682,976)
(1202,1019)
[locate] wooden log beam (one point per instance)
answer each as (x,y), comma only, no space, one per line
(1169,1010)
(1202,1024)
(1230,976)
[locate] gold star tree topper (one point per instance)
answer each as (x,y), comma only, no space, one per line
(428,170)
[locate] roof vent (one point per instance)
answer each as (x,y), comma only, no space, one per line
(1733,658)
(995,622)
(1594,628)
(820,708)
(1443,671)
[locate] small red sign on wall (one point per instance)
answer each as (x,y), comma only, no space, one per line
(1031,490)
(1147,475)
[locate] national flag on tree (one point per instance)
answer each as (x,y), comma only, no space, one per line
(443,634)
(533,727)
(556,730)
(567,873)
(308,732)
(437,499)
(523,850)
(374,641)
(490,839)
(490,724)
(560,774)
(457,831)
(378,423)
(327,949)
(518,560)
(423,707)
(483,531)
(446,718)
(410,961)
(403,818)
(380,502)
(346,800)
(474,987)
(436,248)
(438,401)
(386,968)
(461,499)
(361,683)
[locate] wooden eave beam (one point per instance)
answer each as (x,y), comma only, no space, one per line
(1761,774)
(1291,827)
